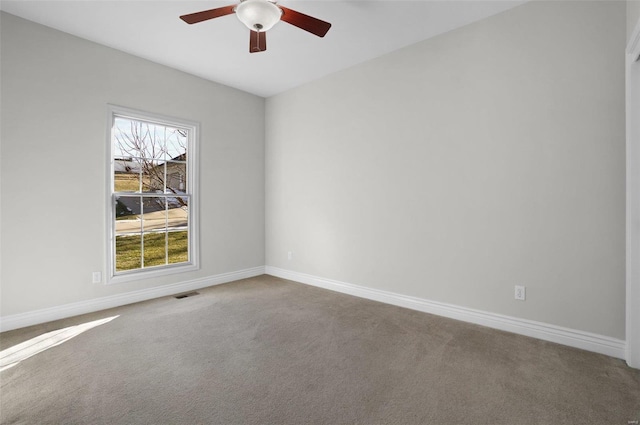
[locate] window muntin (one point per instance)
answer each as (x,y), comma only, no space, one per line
(152,226)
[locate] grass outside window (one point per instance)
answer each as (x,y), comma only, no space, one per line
(129,252)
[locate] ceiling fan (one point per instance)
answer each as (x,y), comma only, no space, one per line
(259,16)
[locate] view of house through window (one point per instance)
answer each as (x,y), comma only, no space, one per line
(151,194)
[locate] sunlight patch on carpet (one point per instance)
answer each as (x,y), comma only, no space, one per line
(14,355)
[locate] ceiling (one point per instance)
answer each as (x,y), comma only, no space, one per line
(218,49)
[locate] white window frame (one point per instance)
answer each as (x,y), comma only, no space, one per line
(193,129)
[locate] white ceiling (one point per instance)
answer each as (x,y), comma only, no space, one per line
(218,49)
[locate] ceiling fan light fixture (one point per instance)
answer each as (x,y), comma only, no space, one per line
(258,15)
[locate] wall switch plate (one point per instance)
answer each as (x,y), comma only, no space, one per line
(97,277)
(289,255)
(521,293)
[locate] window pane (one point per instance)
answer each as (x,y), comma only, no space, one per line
(153,176)
(126,174)
(128,252)
(155,249)
(178,247)
(127,213)
(177,145)
(176,177)
(178,214)
(125,138)
(154,215)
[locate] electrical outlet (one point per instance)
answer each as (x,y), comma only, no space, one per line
(96,277)
(289,255)
(521,293)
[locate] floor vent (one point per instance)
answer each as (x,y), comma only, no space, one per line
(188,294)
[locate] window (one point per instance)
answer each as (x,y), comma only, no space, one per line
(152,227)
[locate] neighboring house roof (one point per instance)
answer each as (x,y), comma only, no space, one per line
(134,166)
(126,166)
(181,157)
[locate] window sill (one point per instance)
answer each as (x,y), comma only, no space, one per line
(151,273)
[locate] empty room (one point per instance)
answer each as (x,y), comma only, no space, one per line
(319,212)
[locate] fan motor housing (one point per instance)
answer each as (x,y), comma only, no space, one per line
(258,15)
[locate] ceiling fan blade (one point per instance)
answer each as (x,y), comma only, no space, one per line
(257,42)
(305,22)
(205,15)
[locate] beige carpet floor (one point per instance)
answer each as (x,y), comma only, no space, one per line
(270,351)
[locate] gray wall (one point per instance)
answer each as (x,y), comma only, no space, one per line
(458,167)
(633,15)
(55,90)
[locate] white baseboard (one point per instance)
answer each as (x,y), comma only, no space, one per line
(579,339)
(22,320)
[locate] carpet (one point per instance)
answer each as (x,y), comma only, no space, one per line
(270,351)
